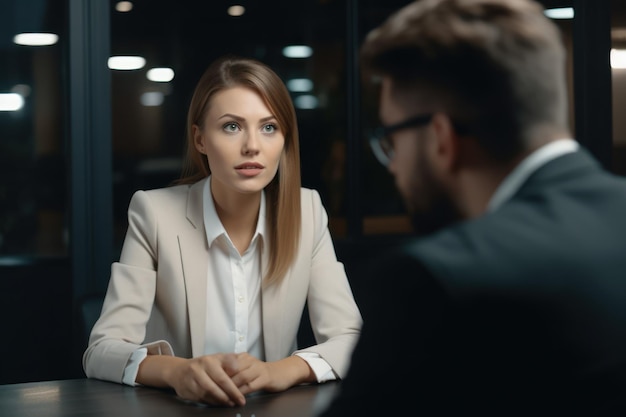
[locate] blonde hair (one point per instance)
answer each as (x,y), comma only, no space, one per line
(283,192)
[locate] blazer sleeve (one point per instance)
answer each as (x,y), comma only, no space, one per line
(335,318)
(128,303)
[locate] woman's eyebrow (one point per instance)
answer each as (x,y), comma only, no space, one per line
(231,116)
(241,119)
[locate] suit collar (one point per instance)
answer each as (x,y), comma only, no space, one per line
(212,223)
(194,204)
(566,168)
(534,161)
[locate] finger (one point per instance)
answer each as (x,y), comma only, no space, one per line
(248,387)
(210,392)
(225,385)
(248,380)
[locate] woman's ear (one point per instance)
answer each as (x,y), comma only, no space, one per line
(448,151)
(198,139)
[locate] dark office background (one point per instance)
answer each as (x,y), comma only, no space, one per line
(83,142)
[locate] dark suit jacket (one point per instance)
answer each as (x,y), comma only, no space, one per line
(519,312)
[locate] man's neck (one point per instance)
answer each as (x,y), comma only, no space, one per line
(477,186)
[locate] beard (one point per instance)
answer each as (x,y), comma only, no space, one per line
(430,206)
(441,214)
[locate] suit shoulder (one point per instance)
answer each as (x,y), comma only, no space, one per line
(168,192)
(311,202)
(309,194)
(161,197)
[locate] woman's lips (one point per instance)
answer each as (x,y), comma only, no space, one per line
(249,169)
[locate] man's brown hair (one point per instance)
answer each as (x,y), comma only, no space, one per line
(496,67)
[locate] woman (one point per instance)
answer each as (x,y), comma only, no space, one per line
(215,271)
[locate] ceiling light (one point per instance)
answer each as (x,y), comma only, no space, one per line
(618,58)
(560,13)
(152,98)
(36,39)
(300,85)
(11,102)
(126,62)
(160,75)
(297,51)
(306,102)
(124,6)
(236,10)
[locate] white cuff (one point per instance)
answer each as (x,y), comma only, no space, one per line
(322,370)
(132,367)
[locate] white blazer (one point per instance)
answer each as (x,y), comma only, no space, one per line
(156,293)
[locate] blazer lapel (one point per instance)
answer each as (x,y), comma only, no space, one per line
(272,302)
(194,255)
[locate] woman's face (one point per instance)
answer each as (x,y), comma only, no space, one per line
(242,141)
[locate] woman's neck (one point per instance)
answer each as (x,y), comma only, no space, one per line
(239,214)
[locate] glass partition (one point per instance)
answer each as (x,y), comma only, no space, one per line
(618,77)
(35,268)
(184,37)
(33,175)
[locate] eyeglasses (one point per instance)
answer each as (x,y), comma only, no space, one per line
(380,140)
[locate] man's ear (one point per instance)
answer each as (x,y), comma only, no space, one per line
(198,140)
(448,150)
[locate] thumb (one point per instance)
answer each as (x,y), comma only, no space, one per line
(230,364)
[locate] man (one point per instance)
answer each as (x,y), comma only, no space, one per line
(513,300)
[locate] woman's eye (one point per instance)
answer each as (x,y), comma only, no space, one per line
(270,128)
(231,127)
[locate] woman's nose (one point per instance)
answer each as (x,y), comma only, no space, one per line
(251,144)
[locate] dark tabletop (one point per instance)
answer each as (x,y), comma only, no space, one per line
(93,398)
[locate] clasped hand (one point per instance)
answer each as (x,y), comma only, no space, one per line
(225,379)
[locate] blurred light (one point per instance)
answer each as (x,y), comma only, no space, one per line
(11,102)
(16,261)
(236,10)
(124,6)
(152,98)
(297,51)
(306,102)
(126,62)
(21,89)
(160,75)
(618,58)
(300,85)
(35,39)
(560,13)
